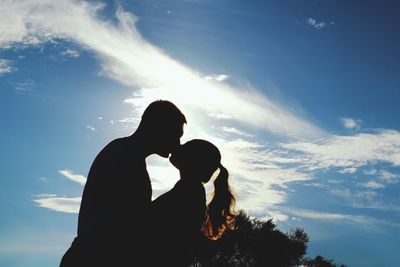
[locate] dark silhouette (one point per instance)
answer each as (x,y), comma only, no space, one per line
(256,243)
(181,217)
(117,196)
(320,261)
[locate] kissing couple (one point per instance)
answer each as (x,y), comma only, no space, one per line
(120,225)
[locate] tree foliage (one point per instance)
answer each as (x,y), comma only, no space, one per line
(320,261)
(257,243)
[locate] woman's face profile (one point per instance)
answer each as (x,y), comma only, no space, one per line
(196,159)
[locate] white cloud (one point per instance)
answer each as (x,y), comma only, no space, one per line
(350,152)
(356,198)
(317,215)
(46,195)
(318,185)
(219,116)
(71,53)
(333,181)
(24,86)
(328,216)
(91,128)
(388,177)
(61,204)
(276,217)
(372,185)
(217,77)
(130,59)
(370,172)
(73,177)
(365,199)
(234,130)
(350,123)
(6,66)
(129,120)
(318,25)
(348,170)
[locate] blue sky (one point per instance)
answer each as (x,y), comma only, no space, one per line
(300,96)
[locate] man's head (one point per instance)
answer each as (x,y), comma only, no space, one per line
(162,125)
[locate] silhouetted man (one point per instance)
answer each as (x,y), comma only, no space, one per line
(117,194)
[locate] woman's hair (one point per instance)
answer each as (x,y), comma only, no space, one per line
(220,211)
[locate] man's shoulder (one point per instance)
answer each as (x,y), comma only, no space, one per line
(120,144)
(118,141)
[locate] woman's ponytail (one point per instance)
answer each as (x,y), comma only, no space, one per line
(220,214)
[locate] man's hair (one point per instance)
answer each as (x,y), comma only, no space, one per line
(161,113)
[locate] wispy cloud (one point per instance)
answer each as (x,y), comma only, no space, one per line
(388,177)
(73,177)
(236,131)
(348,170)
(6,66)
(317,215)
(127,57)
(217,77)
(367,199)
(24,86)
(350,123)
(91,128)
(351,151)
(356,198)
(328,216)
(372,185)
(70,53)
(61,204)
(317,25)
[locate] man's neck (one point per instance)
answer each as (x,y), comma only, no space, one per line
(142,143)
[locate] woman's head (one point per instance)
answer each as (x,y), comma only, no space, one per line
(197,160)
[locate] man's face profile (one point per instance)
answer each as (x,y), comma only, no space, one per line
(170,140)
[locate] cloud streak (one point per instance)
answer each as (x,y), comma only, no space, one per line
(5,66)
(317,25)
(349,152)
(73,177)
(128,58)
(327,216)
(61,204)
(71,53)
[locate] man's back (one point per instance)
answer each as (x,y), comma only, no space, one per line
(116,199)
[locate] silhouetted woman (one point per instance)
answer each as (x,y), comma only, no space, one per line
(181,215)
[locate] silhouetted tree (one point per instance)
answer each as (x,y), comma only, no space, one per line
(320,261)
(257,243)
